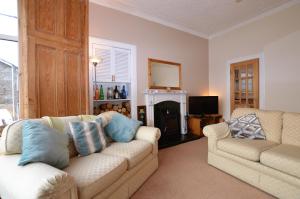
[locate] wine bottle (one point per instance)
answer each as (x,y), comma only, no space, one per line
(97,93)
(94,91)
(101,93)
(110,93)
(116,93)
(123,93)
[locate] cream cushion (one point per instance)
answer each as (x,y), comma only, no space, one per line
(62,125)
(134,151)
(11,139)
(285,158)
(242,111)
(245,148)
(291,129)
(96,172)
(106,117)
(271,121)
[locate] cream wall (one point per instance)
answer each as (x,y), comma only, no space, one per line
(155,41)
(282,59)
(275,38)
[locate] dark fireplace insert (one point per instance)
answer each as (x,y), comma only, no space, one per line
(167,118)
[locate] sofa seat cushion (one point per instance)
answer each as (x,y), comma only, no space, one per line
(285,158)
(96,172)
(245,148)
(134,151)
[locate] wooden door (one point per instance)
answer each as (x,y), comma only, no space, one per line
(244,86)
(53,62)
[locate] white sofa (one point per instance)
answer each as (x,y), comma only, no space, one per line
(117,172)
(272,165)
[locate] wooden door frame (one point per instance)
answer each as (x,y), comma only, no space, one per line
(262,81)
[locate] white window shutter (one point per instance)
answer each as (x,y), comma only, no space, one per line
(103,69)
(122,65)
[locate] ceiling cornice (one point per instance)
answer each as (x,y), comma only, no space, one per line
(151,18)
(265,14)
(137,13)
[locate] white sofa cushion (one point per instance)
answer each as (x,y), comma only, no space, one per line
(285,158)
(36,180)
(11,139)
(242,111)
(271,121)
(62,125)
(245,148)
(291,129)
(96,172)
(134,151)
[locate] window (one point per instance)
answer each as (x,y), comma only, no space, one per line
(9,61)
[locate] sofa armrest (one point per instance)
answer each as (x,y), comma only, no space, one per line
(214,133)
(36,180)
(149,134)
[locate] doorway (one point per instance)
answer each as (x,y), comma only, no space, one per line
(244,84)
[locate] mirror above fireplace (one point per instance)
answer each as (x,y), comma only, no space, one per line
(164,74)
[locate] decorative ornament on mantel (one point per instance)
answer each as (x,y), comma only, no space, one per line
(160,91)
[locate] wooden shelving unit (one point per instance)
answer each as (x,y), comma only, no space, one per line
(112,100)
(116,68)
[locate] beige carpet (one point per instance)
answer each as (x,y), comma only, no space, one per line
(184,174)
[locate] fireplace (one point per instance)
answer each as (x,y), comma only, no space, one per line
(167,100)
(167,118)
(167,110)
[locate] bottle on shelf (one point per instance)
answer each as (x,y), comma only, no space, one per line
(123,92)
(94,91)
(97,92)
(110,94)
(116,93)
(101,94)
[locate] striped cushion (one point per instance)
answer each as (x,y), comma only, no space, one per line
(88,136)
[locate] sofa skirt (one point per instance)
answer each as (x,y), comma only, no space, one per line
(258,177)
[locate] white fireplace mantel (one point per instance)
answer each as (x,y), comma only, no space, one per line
(153,97)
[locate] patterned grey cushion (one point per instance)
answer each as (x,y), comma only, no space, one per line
(247,126)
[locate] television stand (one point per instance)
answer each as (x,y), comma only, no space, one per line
(197,123)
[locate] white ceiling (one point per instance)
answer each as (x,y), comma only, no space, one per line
(205,18)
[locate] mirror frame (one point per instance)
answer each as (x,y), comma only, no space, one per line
(150,60)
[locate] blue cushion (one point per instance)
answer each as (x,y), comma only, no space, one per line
(88,136)
(44,144)
(122,128)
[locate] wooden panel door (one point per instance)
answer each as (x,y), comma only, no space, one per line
(53,63)
(244,86)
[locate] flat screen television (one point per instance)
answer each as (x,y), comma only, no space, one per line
(201,105)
